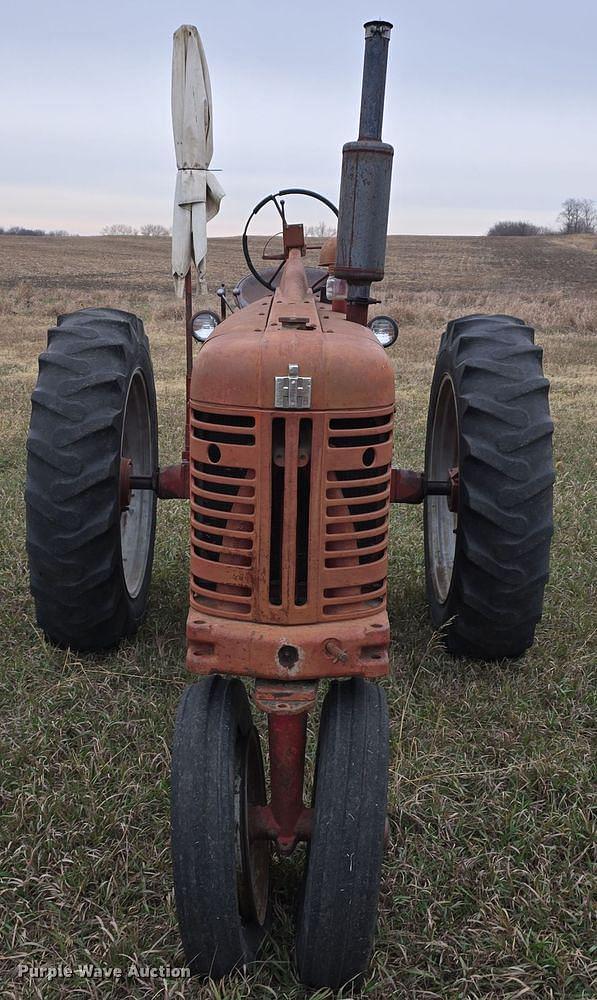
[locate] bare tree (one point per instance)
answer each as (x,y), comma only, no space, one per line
(321,229)
(154,229)
(520,228)
(119,229)
(578,215)
(588,214)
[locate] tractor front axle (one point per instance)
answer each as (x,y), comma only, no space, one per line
(172,483)
(408,486)
(286,819)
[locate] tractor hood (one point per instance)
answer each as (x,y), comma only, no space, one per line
(239,363)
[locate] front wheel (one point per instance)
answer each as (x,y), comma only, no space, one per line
(338,907)
(487,552)
(221,874)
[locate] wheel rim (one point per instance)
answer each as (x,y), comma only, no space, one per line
(252,856)
(135,522)
(442,523)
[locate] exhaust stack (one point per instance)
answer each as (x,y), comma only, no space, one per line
(365,184)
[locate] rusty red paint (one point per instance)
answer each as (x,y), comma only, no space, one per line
(287,741)
(454,476)
(294,238)
(221,645)
(357,312)
(264,826)
(285,820)
(406,486)
(230,432)
(284,698)
(173,482)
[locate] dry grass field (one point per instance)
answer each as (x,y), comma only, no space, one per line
(487,887)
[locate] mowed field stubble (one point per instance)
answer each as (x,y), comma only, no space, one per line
(488,875)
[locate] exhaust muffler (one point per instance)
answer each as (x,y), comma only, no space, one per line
(365,184)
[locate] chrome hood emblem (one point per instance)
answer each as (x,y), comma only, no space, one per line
(292,391)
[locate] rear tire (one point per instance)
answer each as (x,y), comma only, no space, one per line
(487,565)
(90,564)
(338,908)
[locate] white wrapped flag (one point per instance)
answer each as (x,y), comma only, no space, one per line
(198,194)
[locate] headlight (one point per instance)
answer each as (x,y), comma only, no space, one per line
(335,288)
(203,324)
(385,329)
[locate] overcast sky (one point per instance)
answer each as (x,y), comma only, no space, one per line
(491,107)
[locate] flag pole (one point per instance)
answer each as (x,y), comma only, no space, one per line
(188,305)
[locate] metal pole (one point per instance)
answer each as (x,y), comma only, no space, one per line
(188,302)
(377,41)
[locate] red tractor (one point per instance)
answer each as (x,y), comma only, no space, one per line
(288,469)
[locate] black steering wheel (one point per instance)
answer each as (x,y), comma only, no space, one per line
(280,207)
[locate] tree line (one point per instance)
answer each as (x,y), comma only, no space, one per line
(23,231)
(149,229)
(578,215)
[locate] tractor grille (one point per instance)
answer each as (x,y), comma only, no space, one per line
(223,500)
(357,497)
(289,514)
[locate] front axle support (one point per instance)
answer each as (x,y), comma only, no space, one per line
(408,486)
(286,819)
(170,483)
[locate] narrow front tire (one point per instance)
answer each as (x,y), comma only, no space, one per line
(221,875)
(338,908)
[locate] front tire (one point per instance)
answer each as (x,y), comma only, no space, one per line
(94,403)
(338,908)
(487,563)
(221,875)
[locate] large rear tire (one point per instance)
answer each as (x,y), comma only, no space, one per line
(487,562)
(94,403)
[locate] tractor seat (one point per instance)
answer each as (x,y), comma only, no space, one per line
(250,290)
